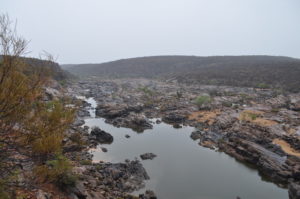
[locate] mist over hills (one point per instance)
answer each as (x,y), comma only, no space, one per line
(249,71)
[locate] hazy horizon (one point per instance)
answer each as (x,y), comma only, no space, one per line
(100,31)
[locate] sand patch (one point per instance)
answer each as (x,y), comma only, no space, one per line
(286,147)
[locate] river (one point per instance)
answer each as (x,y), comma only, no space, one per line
(182,168)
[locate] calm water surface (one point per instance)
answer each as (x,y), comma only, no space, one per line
(182,168)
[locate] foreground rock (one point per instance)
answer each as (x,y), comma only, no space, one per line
(107,180)
(101,136)
(294,191)
(147,156)
(148,195)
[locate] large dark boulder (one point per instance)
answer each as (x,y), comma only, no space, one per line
(147,156)
(101,136)
(138,123)
(110,111)
(174,117)
(195,135)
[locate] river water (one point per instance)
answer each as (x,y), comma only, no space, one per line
(182,168)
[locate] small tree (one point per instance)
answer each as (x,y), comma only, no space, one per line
(27,123)
(46,128)
(57,171)
(203,102)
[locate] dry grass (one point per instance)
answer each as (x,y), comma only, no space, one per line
(286,147)
(205,116)
(264,122)
(249,114)
(255,117)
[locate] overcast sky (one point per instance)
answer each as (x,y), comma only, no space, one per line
(93,31)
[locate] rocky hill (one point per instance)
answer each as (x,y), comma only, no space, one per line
(249,71)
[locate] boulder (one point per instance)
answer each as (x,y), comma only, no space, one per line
(294,102)
(149,194)
(111,111)
(294,191)
(177,126)
(83,113)
(42,195)
(195,135)
(78,191)
(101,136)
(278,102)
(174,117)
(79,122)
(147,156)
(114,111)
(137,122)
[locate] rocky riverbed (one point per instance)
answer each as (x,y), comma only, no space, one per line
(258,127)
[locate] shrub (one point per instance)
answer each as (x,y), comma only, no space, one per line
(227,104)
(86,162)
(179,94)
(203,101)
(3,193)
(263,86)
(46,128)
(248,116)
(58,171)
(275,110)
(146,91)
(77,139)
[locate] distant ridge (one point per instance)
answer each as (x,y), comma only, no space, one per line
(249,71)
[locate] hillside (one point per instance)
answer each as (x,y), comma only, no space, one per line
(249,71)
(54,69)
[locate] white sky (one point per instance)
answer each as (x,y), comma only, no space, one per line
(94,31)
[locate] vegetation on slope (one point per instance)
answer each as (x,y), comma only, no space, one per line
(248,71)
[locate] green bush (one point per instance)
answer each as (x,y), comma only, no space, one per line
(263,85)
(203,100)
(179,94)
(227,104)
(86,162)
(3,194)
(58,171)
(146,90)
(275,110)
